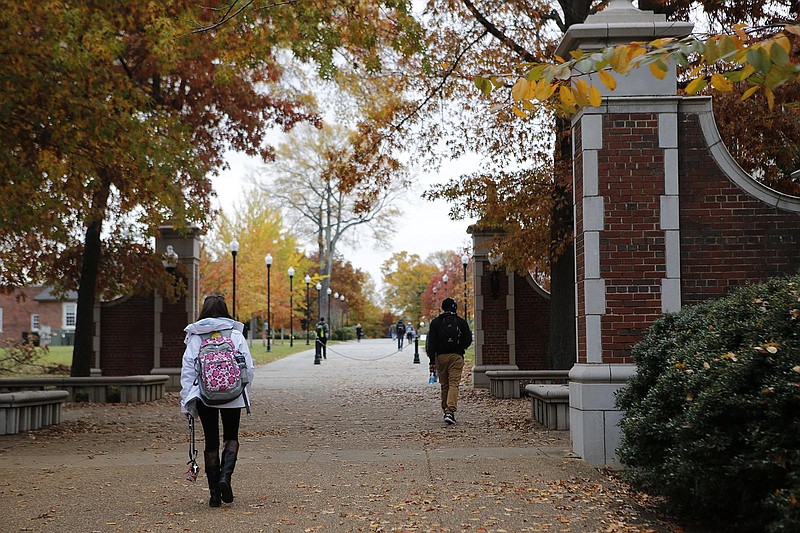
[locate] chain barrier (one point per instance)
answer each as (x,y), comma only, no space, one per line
(340,354)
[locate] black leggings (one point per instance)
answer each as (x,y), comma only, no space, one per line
(209,417)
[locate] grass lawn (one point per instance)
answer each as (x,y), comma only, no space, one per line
(62,355)
(278,350)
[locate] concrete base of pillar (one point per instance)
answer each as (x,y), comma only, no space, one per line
(479,379)
(174,383)
(593,417)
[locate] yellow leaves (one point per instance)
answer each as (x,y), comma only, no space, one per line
(729,355)
(544,90)
(796,369)
(595,98)
(721,83)
(620,60)
(658,69)
(720,62)
(565,95)
(696,85)
(520,89)
(608,79)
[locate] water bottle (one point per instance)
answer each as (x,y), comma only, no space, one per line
(432,378)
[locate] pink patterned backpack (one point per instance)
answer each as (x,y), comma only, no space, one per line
(221,370)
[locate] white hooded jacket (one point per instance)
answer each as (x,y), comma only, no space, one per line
(190,389)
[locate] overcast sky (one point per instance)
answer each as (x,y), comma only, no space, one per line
(424,227)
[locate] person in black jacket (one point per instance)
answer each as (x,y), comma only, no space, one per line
(448,337)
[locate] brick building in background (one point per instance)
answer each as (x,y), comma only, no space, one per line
(36,310)
(134,334)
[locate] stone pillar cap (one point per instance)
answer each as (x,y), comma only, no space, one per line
(619,23)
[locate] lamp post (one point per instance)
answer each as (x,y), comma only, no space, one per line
(234,246)
(464,261)
(445,279)
(268,261)
(329,305)
(170,261)
(307,279)
(318,286)
(330,318)
(341,318)
(291,307)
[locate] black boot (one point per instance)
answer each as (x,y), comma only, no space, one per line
(212,473)
(230,450)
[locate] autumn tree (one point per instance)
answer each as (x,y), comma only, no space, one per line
(259,230)
(307,183)
(113,116)
(406,278)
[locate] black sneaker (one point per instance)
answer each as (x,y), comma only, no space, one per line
(449,418)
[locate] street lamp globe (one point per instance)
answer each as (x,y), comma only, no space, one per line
(318,286)
(268,260)
(464,259)
(307,279)
(445,278)
(291,272)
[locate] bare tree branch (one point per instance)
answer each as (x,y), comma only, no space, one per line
(502,37)
(227,16)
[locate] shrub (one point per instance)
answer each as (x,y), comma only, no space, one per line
(345,333)
(713,415)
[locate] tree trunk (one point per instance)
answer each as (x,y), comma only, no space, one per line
(84,323)
(562,345)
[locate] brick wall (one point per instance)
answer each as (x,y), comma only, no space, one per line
(632,249)
(173,319)
(495,320)
(127,336)
(532,325)
(728,238)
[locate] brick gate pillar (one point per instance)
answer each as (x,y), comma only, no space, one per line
(171,318)
(495,345)
(627,249)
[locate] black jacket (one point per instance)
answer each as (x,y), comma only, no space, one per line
(433,343)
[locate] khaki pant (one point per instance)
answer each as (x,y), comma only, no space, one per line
(449,366)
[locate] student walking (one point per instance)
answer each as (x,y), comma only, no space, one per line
(215,322)
(400,328)
(321,344)
(448,337)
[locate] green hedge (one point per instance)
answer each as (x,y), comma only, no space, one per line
(713,415)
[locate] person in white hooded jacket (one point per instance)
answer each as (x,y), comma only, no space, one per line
(214,316)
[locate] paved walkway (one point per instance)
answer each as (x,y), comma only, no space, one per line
(354,444)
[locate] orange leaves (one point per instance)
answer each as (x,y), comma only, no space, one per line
(569,85)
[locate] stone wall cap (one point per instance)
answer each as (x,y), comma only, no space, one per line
(619,23)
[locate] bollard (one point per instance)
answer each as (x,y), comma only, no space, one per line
(416,350)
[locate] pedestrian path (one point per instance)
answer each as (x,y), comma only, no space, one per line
(356,443)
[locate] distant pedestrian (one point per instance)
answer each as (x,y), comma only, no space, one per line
(410,333)
(359,332)
(400,328)
(215,319)
(321,342)
(448,337)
